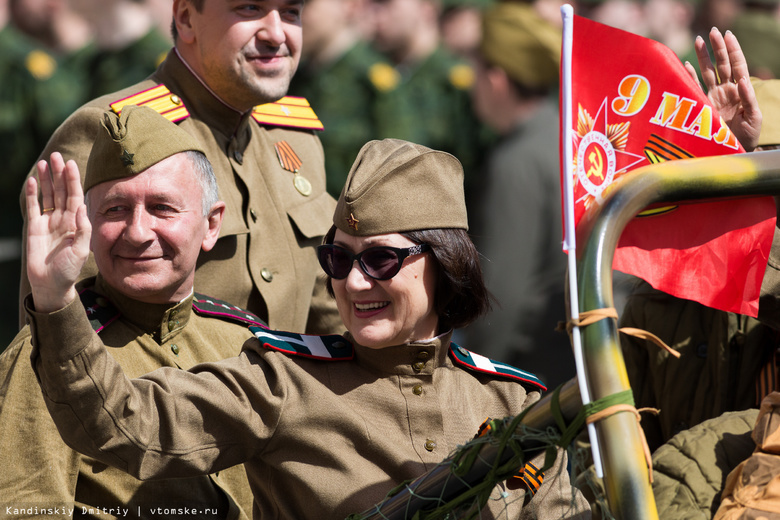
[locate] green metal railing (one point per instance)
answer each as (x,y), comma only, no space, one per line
(626,479)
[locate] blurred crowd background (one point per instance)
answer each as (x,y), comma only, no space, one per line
(428,71)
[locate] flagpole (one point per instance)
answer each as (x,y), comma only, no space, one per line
(569,242)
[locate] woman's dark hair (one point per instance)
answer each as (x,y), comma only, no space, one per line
(461,296)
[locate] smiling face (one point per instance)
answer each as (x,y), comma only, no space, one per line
(245,50)
(383,313)
(147,231)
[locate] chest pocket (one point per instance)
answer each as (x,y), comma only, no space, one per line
(313,218)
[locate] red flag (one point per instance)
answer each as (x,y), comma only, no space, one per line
(634,104)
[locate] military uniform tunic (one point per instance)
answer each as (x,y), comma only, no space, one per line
(40,471)
(264,260)
(320,438)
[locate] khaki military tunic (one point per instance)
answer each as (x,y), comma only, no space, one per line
(320,438)
(40,471)
(264,260)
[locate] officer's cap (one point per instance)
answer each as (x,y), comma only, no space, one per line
(526,46)
(129,143)
(396,186)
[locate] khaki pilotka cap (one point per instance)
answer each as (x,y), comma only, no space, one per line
(768,97)
(396,186)
(130,143)
(516,39)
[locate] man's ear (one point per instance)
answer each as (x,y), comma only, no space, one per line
(214,220)
(182,11)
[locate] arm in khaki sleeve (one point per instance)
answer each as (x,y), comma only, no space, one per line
(39,470)
(212,409)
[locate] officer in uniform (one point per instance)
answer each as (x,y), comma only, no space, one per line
(142,330)
(268,161)
(327,425)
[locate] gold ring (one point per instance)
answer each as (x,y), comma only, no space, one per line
(47,209)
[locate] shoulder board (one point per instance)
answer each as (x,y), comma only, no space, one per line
(158,98)
(331,347)
(100,311)
(290,111)
(208,306)
(478,363)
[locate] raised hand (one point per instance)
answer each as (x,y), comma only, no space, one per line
(58,234)
(728,85)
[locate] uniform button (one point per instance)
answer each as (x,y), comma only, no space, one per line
(102,302)
(701,350)
(430,445)
(175,349)
(417,389)
(253,214)
(423,355)
(173,313)
(418,365)
(267,274)
(175,99)
(463,351)
(238,156)
(339,344)
(172,324)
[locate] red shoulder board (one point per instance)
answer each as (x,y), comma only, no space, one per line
(290,111)
(158,98)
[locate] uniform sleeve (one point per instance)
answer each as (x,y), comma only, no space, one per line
(39,470)
(73,139)
(170,423)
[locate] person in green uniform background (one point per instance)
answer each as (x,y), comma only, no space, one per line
(426,98)
(337,76)
(40,85)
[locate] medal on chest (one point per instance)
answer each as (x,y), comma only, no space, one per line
(292,163)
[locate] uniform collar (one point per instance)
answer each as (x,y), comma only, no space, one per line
(201,102)
(411,359)
(161,321)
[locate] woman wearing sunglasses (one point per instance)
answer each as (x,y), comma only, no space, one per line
(327,426)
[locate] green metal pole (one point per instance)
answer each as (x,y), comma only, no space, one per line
(626,477)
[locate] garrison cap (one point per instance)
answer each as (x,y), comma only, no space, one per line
(396,186)
(525,45)
(768,96)
(129,143)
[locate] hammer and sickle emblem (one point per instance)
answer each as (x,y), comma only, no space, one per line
(596,164)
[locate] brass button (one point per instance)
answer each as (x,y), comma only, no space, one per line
(417,389)
(173,313)
(253,214)
(418,365)
(423,355)
(463,351)
(267,274)
(175,349)
(430,445)
(176,100)
(172,324)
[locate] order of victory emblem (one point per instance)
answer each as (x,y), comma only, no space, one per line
(595,163)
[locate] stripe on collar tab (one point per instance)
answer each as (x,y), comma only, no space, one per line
(331,347)
(479,363)
(100,311)
(208,306)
